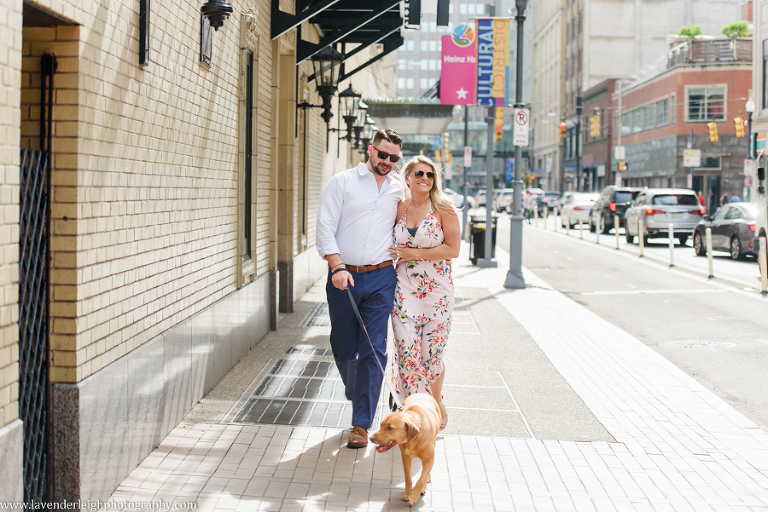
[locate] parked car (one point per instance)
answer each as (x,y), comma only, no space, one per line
(660,207)
(613,201)
(546,200)
(564,198)
(576,208)
(458,199)
(502,200)
(733,230)
(480,197)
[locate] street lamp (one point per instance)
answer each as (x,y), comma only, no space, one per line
(216,11)
(750,108)
(326,64)
(515,275)
(349,102)
(362,113)
(367,134)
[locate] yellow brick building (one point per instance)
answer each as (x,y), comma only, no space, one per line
(182,193)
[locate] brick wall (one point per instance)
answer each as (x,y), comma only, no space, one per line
(145,174)
(10,65)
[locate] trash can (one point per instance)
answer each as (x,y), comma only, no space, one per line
(477,229)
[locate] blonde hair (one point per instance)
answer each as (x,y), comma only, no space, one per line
(440,202)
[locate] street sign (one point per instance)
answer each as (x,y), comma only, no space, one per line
(619,153)
(521,126)
(691,158)
(749,168)
(467,156)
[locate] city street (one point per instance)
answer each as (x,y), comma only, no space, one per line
(712,329)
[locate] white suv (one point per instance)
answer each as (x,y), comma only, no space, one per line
(503,199)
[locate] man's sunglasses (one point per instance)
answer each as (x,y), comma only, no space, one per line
(384,156)
(420,174)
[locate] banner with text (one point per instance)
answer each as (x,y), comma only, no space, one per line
(458,69)
(493,35)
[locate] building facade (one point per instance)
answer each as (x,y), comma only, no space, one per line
(608,39)
(178,180)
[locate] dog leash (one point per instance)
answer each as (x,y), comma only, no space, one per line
(392,393)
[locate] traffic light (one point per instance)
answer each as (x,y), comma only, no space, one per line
(594,126)
(499,123)
(738,126)
(562,131)
(448,156)
(438,156)
(712,131)
(622,165)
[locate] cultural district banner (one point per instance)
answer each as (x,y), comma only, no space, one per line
(458,69)
(493,35)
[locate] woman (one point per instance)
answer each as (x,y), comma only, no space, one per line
(427,235)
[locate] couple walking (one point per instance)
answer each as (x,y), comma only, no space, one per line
(390,243)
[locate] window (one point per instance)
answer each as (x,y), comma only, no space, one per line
(402,65)
(401,83)
(409,83)
(433,64)
(661,113)
(649,116)
(424,64)
(706,103)
(625,124)
(433,46)
(423,83)
(672,108)
(410,45)
(424,45)
(472,9)
(637,120)
(462,8)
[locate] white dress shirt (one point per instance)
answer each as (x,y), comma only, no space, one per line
(356,218)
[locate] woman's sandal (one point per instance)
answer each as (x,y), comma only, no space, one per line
(443,419)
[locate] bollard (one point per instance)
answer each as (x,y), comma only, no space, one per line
(763,267)
(581,230)
(554,217)
(597,228)
(544,215)
(708,233)
(671,245)
(616,228)
(535,214)
(640,237)
(567,224)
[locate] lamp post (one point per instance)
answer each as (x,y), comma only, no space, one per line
(750,107)
(366,135)
(515,274)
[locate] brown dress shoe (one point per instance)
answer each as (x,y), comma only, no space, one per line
(358,438)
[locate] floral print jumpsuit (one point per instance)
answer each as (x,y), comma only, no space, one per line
(421,315)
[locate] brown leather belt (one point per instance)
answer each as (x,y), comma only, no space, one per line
(369,268)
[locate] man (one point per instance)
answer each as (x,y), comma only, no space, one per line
(354,230)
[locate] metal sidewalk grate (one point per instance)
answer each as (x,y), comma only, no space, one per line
(299,392)
(318,316)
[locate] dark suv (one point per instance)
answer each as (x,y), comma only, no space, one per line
(612,201)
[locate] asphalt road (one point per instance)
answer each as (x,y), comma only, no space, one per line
(716,330)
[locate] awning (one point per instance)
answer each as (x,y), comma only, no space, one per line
(350,26)
(411,117)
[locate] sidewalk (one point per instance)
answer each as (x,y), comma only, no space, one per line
(550,407)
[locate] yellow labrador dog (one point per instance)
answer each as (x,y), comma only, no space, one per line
(414,430)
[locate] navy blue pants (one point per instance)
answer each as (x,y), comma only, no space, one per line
(374,294)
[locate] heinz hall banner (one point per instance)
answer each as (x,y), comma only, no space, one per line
(475,64)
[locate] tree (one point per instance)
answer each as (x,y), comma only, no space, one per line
(690,31)
(736,29)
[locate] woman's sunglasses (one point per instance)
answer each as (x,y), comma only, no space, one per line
(420,174)
(384,156)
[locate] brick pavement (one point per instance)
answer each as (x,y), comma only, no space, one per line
(677,445)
